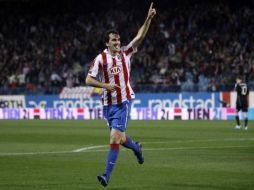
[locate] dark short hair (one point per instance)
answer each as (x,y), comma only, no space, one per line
(239,77)
(111,31)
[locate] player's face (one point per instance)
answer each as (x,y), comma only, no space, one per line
(238,80)
(114,43)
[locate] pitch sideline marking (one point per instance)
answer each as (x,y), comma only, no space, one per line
(145,149)
(89,148)
(97,147)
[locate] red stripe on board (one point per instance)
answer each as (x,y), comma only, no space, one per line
(105,72)
(36,110)
(178,110)
(126,79)
(80,110)
(231,110)
(117,81)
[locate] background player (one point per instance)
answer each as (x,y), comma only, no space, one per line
(241,101)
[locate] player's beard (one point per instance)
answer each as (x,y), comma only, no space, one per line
(114,49)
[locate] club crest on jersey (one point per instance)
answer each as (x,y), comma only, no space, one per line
(119,57)
(115,70)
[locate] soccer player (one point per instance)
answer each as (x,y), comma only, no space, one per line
(241,101)
(112,69)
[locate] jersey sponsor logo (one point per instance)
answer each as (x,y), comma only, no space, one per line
(115,70)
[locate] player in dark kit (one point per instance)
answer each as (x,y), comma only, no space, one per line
(241,101)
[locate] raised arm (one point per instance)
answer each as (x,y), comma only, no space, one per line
(144,28)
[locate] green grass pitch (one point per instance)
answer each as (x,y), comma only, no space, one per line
(68,155)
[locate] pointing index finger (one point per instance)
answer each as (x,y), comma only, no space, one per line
(151,6)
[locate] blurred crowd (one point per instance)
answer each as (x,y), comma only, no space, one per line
(194,47)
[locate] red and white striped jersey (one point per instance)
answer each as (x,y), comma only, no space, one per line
(114,70)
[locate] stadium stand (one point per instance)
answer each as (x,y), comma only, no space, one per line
(198,46)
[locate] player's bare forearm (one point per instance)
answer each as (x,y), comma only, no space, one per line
(144,28)
(95,83)
(141,33)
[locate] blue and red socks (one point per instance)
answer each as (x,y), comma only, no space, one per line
(112,157)
(130,144)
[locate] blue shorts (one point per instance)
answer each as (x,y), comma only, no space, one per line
(117,116)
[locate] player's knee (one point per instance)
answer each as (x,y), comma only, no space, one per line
(115,138)
(123,140)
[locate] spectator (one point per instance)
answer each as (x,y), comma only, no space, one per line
(188,45)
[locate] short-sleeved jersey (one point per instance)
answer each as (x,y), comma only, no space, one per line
(114,70)
(242,91)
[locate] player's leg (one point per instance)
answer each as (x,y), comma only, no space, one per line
(238,125)
(116,135)
(136,147)
(245,113)
(115,139)
(127,141)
